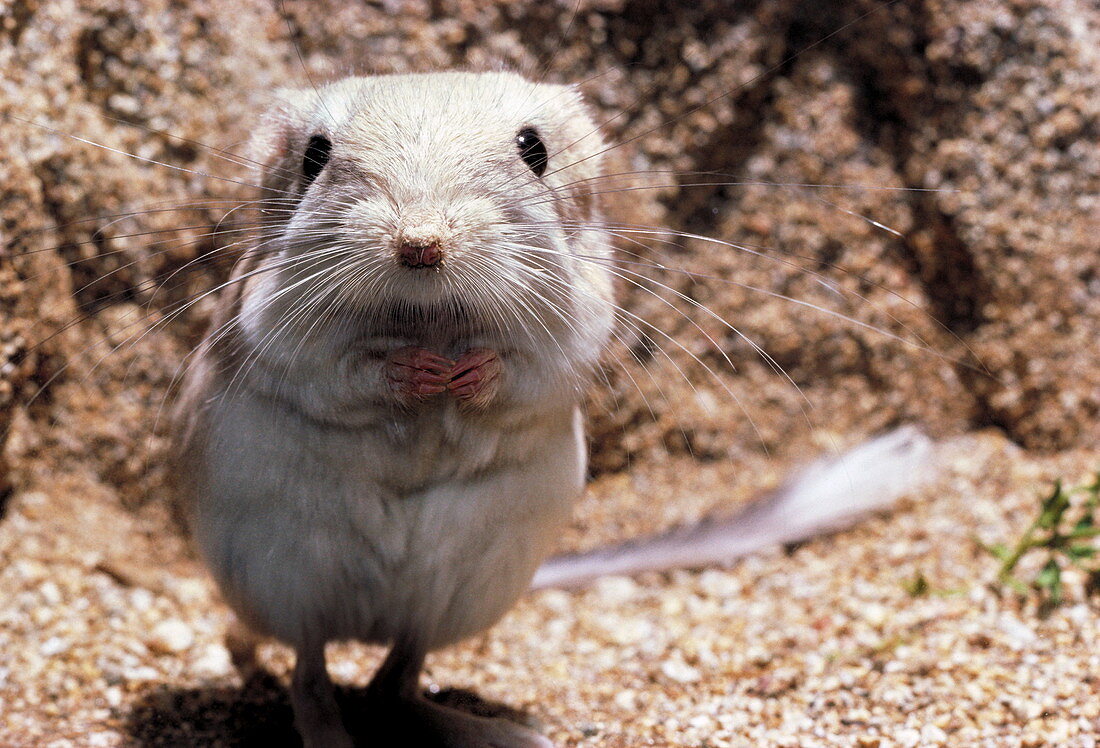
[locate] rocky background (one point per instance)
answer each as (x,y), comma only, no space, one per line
(902,204)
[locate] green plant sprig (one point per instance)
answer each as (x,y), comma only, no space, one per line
(1066,540)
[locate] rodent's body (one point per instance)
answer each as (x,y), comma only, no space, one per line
(427,526)
(380,438)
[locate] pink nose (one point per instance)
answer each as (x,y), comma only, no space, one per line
(418,254)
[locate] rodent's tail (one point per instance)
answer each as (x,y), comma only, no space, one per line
(826,496)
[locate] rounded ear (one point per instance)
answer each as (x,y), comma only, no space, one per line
(581,152)
(277,138)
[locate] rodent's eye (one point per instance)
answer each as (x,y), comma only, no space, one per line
(532,150)
(316,157)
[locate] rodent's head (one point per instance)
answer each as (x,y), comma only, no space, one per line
(471,191)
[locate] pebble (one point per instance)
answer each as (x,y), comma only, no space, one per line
(113,696)
(616,590)
(170,637)
(140,674)
(933,734)
(1019,635)
(557,600)
(53,646)
(626,700)
(50,593)
(720,584)
(680,671)
(909,737)
(213,662)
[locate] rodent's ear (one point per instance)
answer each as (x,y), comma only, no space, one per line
(609,182)
(582,154)
(276,138)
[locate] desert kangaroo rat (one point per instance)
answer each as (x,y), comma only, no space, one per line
(380,438)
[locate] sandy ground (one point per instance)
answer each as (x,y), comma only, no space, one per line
(111,635)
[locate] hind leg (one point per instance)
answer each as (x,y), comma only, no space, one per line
(407,717)
(241,642)
(316,713)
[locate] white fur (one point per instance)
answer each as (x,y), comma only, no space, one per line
(324,508)
(428,532)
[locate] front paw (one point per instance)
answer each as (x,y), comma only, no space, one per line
(475,378)
(416,374)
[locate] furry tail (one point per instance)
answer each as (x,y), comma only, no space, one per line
(826,496)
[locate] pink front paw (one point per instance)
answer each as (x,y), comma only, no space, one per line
(475,377)
(415,374)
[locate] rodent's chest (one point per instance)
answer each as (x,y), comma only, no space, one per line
(437,443)
(444,329)
(448,333)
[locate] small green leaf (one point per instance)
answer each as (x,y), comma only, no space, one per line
(1067,537)
(1054,507)
(1049,575)
(1049,579)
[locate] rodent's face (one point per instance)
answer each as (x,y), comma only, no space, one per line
(477,191)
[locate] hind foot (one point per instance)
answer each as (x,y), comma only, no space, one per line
(404,717)
(316,713)
(413,720)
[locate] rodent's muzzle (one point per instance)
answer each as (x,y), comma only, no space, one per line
(420,254)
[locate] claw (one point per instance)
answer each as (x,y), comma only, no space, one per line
(422,359)
(417,373)
(474,377)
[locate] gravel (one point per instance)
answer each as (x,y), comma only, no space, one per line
(815,645)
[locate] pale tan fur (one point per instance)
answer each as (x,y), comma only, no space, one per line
(324,508)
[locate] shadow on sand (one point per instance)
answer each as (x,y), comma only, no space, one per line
(259,714)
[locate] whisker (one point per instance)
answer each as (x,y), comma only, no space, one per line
(136,157)
(921,344)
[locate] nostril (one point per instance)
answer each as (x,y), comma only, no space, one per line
(416,254)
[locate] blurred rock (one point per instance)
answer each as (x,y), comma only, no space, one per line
(992,275)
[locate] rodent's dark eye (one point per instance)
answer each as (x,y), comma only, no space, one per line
(532,150)
(316,157)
